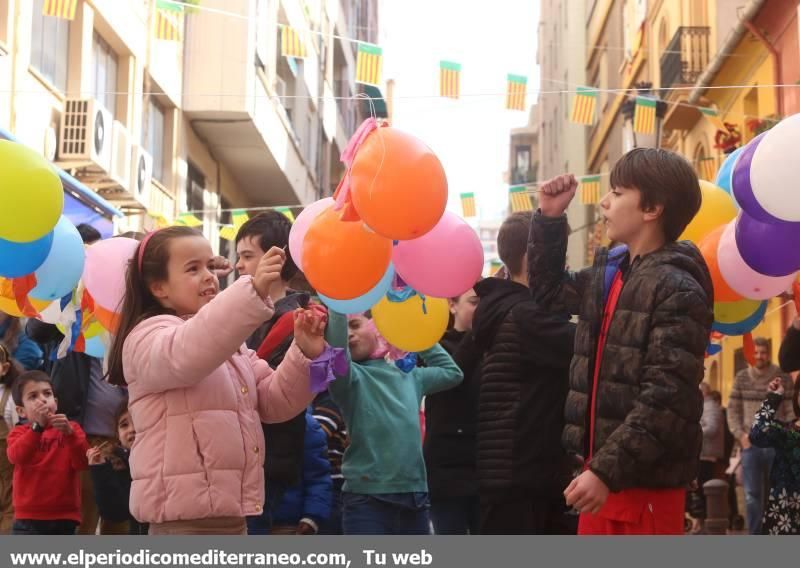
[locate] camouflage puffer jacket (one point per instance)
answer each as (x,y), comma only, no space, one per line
(647,426)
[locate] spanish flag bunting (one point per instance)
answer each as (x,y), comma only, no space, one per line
(583,106)
(590,190)
(468,205)
(368,64)
(449,79)
(519,199)
(644,116)
(515,96)
(64,9)
(292,43)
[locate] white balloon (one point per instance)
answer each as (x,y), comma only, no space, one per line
(775,170)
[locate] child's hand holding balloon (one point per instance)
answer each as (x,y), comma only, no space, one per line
(309,330)
(268,270)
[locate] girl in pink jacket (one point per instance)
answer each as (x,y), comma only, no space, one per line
(197,394)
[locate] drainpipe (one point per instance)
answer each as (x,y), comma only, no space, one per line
(728,46)
(776,63)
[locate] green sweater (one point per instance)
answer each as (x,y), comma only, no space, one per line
(380,405)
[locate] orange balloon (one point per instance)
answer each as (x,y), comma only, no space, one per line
(708,248)
(343,259)
(398,185)
(107,318)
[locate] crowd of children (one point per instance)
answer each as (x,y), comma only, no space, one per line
(255,410)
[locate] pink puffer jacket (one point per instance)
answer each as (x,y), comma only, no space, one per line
(197,409)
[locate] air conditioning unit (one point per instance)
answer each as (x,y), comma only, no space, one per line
(85,134)
(120,171)
(141,175)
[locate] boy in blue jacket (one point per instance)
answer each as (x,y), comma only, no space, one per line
(385,483)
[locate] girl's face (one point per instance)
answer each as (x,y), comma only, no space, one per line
(463,310)
(125,431)
(361,338)
(190,283)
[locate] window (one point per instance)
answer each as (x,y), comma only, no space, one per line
(523,158)
(50,46)
(104,74)
(153,137)
(195,189)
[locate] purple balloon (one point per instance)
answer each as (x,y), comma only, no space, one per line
(768,248)
(743,189)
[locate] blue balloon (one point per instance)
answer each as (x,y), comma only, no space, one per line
(725,174)
(365,302)
(95,347)
(745,326)
(20,259)
(63,267)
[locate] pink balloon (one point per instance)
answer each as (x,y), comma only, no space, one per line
(443,263)
(300,227)
(739,276)
(105,270)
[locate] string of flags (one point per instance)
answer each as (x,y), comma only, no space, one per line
(515,97)
(64,9)
(468,207)
(644,115)
(449,79)
(519,199)
(226,231)
(369,64)
(590,190)
(584,106)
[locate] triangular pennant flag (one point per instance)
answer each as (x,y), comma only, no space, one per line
(515,97)
(189,220)
(239,217)
(468,205)
(644,116)
(64,9)
(228,232)
(713,117)
(161,220)
(369,64)
(707,168)
(590,190)
(520,199)
(583,106)
(292,43)
(449,79)
(287,212)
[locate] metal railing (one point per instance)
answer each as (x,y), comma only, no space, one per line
(685,57)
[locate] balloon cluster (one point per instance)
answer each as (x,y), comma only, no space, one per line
(45,272)
(752,254)
(385,242)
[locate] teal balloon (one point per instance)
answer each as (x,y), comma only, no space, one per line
(61,270)
(744,326)
(95,347)
(21,259)
(725,174)
(365,302)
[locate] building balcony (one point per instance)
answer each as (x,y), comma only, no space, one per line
(685,58)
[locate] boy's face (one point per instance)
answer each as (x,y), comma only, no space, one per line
(623,215)
(248,252)
(361,338)
(38,402)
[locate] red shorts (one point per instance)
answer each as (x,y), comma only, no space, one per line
(637,512)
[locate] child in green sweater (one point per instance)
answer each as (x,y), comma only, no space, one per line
(385,487)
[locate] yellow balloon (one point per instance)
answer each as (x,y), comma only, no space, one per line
(716,209)
(9,306)
(31,195)
(406,326)
(734,312)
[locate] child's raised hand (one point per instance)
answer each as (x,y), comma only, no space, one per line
(95,456)
(776,386)
(309,330)
(556,194)
(268,270)
(60,422)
